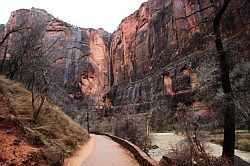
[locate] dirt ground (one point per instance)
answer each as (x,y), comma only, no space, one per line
(13,148)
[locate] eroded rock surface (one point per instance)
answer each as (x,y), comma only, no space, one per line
(80,57)
(157,56)
(158,52)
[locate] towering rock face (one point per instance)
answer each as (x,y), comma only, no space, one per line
(164,30)
(157,52)
(80,57)
(94,75)
(156,57)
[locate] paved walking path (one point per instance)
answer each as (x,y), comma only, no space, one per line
(108,153)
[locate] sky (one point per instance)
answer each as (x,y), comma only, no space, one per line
(106,14)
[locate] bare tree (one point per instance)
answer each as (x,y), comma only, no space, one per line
(4,40)
(229,112)
(29,62)
(17,29)
(35,98)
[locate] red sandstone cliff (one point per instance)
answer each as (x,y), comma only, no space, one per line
(157,52)
(164,30)
(80,58)
(153,54)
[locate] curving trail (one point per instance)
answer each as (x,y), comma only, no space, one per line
(106,152)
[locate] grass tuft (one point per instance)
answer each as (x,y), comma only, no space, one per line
(242,139)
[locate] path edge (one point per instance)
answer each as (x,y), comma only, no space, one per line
(142,158)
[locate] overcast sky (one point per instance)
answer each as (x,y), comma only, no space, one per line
(105,14)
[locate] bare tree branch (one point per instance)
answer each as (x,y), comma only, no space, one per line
(13,30)
(197,11)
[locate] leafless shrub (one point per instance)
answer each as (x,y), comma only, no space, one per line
(191,151)
(132,130)
(216,98)
(26,59)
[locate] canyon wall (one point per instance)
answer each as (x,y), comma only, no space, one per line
(79,60)
(161,52)
(158,56)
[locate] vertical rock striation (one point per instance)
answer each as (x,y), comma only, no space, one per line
(155,57)
(157,51)
(79,63)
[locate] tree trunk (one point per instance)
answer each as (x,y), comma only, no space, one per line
(87,121)
(4,58)
(229,112)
